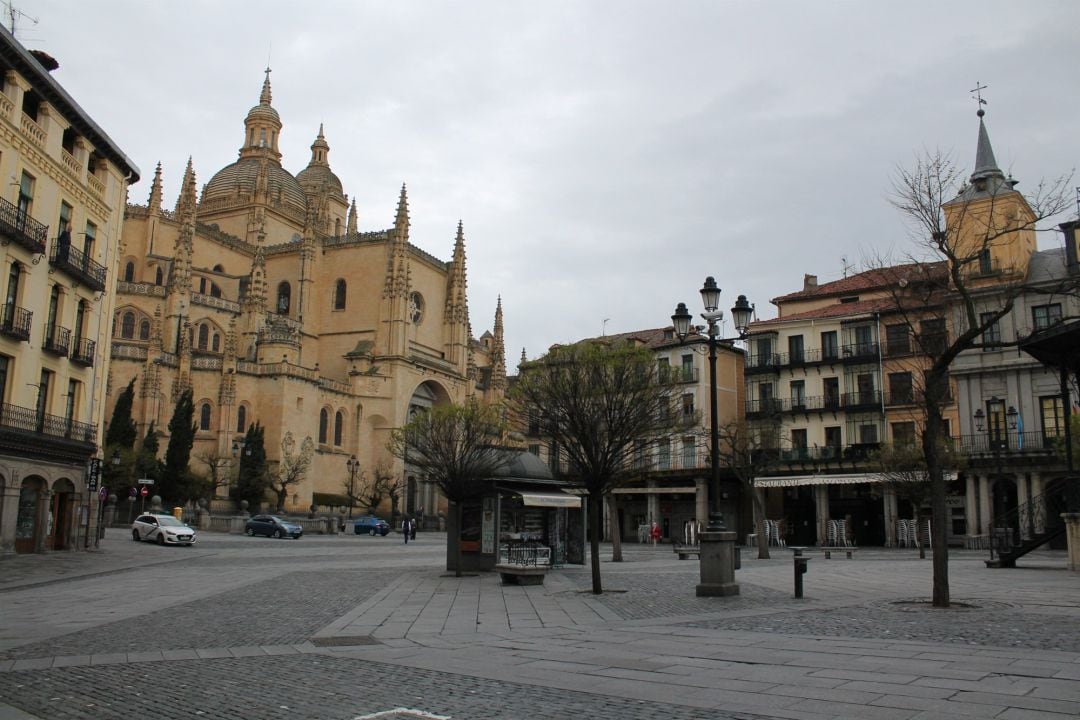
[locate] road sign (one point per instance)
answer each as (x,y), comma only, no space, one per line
(144,492)
(103,493)
(133,492)
(146,481)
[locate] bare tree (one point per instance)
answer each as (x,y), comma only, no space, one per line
(292,468)
(217,471)
(751,451)
(957,226)
(594,401)
(457,448)
(384,483)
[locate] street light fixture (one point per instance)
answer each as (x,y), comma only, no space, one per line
(994,437)
(717,552)
(353,466)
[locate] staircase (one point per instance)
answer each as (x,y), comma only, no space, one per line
(1021,530)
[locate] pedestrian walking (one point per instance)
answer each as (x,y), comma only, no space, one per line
(654,533)
(406,529)
(412,528)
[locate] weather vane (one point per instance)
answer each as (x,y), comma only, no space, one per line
(977,95)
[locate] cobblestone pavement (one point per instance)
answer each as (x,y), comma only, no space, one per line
(266,688)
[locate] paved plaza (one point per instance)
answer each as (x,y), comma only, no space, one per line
(345,627)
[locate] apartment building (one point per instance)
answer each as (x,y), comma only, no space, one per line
(60,219)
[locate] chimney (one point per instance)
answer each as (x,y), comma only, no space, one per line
(1071,230)
(809,282)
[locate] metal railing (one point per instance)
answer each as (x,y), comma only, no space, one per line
(1031,524)
(21,229)
(767,362)
(14,417)
(1005,443)
(78,265)
(679,375)
(862,400)
(15,321)
(84,350)
(529,553)
(859,352)
(57,340)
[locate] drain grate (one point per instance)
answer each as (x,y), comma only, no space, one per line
(344,641)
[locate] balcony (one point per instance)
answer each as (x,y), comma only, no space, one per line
(83,352)
(1008,444)
(15,322)
(764,408)
(677,460)
(21,229)
(679,375)
(768,362)
(860,352)
(829,453)
(36,434)
(76,264)
(57,340)
(865,400)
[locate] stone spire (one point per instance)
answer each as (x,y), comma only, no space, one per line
(264,96)
(498,351)
(182,250)
(262,128)
(985,163)
(397,265)
(154,203)
(456,311)
(320,150)
(351,228)
(524,359)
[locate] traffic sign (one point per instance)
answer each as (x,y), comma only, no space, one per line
(144,492)
(133,492)
(146,481)
(103,493)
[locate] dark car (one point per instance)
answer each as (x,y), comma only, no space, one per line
(272,526)
(370,525)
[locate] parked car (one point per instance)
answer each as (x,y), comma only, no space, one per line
(273,526)
(371,525)
(162,529)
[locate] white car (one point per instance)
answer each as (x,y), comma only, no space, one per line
(164,529)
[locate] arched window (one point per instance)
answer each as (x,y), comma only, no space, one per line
(202,286)
(144,330)
(241,419)
(129,272)
(159,277)
(339,422)
(127,325)
(219,269)
(324,420)
(339,294)
(204,336)
(215,345)
(204,417)
(215,291)
(284,292)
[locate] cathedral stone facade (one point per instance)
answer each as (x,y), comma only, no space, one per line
(265,299)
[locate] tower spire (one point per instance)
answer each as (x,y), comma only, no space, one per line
(265,96)
(351,228)
(154,203)
(498,351)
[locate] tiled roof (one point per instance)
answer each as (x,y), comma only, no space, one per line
(870,279)
(839,310)
(652,338)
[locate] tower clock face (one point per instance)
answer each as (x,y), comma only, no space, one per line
(416,308)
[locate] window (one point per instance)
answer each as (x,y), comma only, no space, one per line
(80,320)
(991,337)
(798,442)
(88,240)
(903,433)
(831,388)
(215,345)
(31,105)
(127,325)
(687,368)
(26,197)
(159,277)
(833,439)
(72,400)
(204,337)
(215,291)
(798,394)
(688,452)
(986,262)
(864,340)
(339,427)
(829,348)
(5,365)
(688,405)
(663,369)
(12,292)
(284,291)
(1043,316)
(764,352)
(339,294)
(932,336)
(65,219)
(202,286)
(864,382)
(900,390)
(43,397)
(897,339)
(535,450)
(129,272)
(996,430)
(67,141)
(1052,416)
(204,417)
(144,330)
(54,304)
(795,348)
(663,454)
(324,422)
(868,434)
(241,419)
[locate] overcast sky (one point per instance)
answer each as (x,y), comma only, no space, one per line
(604,156)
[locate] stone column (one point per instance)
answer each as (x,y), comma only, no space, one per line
(889,504)
(717,565)
(1038,504)
(984,506)
(971,508)
(701,501)
(652,503)
(9,510)
(1072,538)
(1026,526)
(821,502)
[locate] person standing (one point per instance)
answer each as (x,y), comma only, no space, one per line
(654,533)
(406,529)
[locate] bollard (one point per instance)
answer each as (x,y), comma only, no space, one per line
(800,569)
(178,513)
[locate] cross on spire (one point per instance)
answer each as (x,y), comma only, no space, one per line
(977,96)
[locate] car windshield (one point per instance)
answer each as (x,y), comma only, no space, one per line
(170,521)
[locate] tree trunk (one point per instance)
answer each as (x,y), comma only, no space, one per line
(936,385)
(457,540)
(613,523)
(758,497)
(596,512)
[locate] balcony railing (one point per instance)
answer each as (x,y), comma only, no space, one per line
(1007,443)
(215,302)
(57,340)
(860,352)
(768,362)
(676,459)
(865,400)
(768,406)
(76,264)
(679,375)
(83,352)
(15,321)
(29,420)
(21,229)
(133,288)
(826,453)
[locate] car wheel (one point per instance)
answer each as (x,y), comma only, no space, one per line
(250,532)
(277,534)
(372,532)
(160,539)
(135,535)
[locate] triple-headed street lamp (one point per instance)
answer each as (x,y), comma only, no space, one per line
(717,545)
(998,438)
(353,466)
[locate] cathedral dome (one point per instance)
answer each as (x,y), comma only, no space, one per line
(242,179)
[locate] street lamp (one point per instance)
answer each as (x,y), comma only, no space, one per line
(353,466)
(994,436)
(717,558)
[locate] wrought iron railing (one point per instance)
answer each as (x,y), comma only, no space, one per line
(862,400)
(14,417)
(766,362)
(1007,443)
(78,265)
(1028,526)
(57,340)
(860,352)
(524,553)
(22,229)
(15,321)
(83,352)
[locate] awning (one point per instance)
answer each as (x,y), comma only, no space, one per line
(551,500)
(800,480)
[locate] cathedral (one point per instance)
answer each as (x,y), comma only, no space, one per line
(263,297)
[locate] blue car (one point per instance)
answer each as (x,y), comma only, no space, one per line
(370,525)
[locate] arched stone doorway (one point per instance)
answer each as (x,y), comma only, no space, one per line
(30,521)
(61,516)
(421,498)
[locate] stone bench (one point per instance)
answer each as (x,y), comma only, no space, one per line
(830,550)
(685,551)
(521,574)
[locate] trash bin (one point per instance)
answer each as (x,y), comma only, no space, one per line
(178,513)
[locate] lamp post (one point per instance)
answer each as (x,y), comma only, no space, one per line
(717,544)
(353,466)
(995,437)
